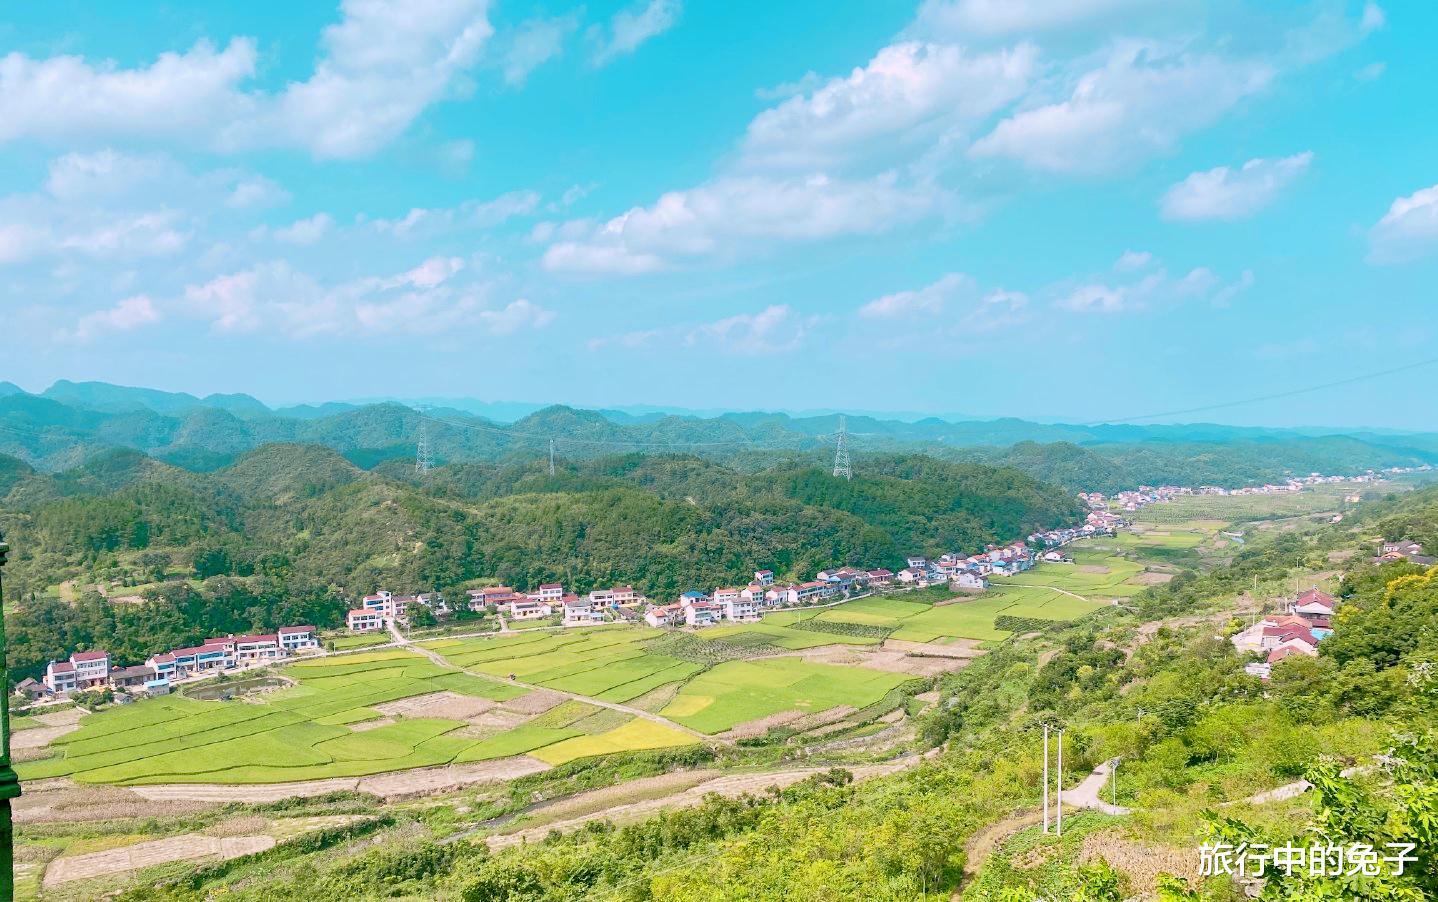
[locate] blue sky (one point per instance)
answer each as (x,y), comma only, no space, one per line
(1075,209)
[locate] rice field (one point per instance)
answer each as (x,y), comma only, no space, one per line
(737,692)
(326,725)
(609,664)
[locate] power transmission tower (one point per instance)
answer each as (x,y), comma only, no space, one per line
(841,451)
(551,457)
(423,457)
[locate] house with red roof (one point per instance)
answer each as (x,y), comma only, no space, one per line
(92,668)
(364,620)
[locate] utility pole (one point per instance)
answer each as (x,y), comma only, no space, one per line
(1059,809)
(1046,778)
(9,783)
(841,451)
(551,457)
(1114,774)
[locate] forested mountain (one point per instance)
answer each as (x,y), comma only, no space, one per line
(70,422)
(297,532)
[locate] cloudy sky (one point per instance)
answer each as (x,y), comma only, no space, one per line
(1083,209)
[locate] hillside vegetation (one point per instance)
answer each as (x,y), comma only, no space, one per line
(70,423)
(295,533)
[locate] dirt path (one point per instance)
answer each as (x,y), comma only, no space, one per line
(438,659)
(1085,795)
(148,854)
(728,786)
(398,784)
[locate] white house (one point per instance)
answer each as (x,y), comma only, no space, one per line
(294,638)
(665,615)
(257,648)
(702,613)
(552,593)
(60,676)
(92,668)
(739,609)
(764,577)
(364,620)
(579,612)
(528,609)
(968,581)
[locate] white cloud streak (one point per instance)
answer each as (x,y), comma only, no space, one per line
(1228,194)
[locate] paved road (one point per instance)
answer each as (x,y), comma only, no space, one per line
(1089,793)
(437,658)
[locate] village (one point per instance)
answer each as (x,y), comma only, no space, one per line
(1298,631)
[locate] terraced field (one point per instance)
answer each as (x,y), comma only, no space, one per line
(343,717)
(738,692)
(609,664)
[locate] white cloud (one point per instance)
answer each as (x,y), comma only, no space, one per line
(1408,231)
(736,214)
(430,299)
(1140,101)
(777,329)
(930,300)
(632,27)
(1153,289)
(305,231)
(382,65)
(907,91)
(470,214)
(951,306)
(514,316)
(966,18)
(1129,261)
(64,97)
(1094,299)
(255,192)
(535,43)
(1371,72)
(1225,193)
(131,313)
(570,256)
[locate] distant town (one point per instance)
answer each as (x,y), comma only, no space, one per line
(1297,632)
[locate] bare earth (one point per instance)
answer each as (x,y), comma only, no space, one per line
(536,702)
(1092,568)
(1142,862)
(959,648)
(148,854)
(388,786)
(60,801)
(1150,578)
(889,660)
(730,786)
(449,705)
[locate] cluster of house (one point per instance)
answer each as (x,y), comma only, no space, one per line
(1099,522)
(92,669)
(382,606)
(1147,494)
(1308,621)
(1412,552)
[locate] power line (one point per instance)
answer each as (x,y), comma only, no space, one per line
(1270,397)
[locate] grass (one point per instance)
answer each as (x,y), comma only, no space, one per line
(343,643)
(302,732)
(736,692)
(636,734)
(611,664)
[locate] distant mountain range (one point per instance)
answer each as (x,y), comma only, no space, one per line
(70,422)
